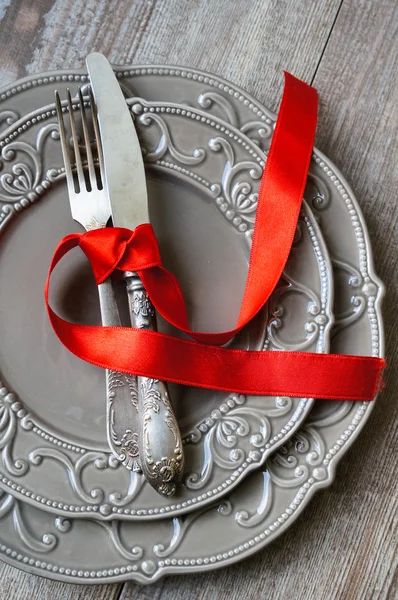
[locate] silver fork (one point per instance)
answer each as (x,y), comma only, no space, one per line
(90,207)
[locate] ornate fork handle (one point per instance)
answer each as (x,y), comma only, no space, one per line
(159,439)
(121,394)
(90,207)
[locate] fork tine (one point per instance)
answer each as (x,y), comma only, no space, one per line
(89,154)
(97,136)
(64,145)
(78,160)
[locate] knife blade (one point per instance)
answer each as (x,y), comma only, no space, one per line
(159,438)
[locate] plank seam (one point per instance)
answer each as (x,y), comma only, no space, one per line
(326,43)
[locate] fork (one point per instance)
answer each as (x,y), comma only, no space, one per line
(90,207)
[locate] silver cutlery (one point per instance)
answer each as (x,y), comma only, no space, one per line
(90,207)
(159,438)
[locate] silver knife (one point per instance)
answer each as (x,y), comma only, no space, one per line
(159,438)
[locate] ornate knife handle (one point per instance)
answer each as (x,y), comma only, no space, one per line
(121,394)
(159,439)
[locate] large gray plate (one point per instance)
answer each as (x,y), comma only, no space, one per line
(203,183)
(270,500)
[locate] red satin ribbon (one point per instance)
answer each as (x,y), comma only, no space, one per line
(165,357)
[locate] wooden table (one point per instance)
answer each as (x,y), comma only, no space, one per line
(344,546)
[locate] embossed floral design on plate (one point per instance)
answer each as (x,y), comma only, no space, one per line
(203,178)
(268,501)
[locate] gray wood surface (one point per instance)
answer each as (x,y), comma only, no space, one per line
(345,544)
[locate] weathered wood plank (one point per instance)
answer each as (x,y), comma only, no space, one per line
(21,23)
(249,43)
(358,83)
(16,585)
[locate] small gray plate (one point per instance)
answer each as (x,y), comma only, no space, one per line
(203,183)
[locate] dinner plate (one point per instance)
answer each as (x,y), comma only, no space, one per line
(203,183)
(269,500)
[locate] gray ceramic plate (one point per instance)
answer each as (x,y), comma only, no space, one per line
(270,500)
(203,183)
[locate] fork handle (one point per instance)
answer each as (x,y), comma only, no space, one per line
(159,438)
(121,394)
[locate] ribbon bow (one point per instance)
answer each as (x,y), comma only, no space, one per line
(120,249)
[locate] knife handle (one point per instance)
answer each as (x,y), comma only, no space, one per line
(121,394)
(159,439)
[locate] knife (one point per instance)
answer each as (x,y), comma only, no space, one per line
(159,438)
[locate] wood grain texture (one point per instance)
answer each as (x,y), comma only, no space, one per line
(345,544)
(21,26)
(358,84)
(16,585)
(249,43)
